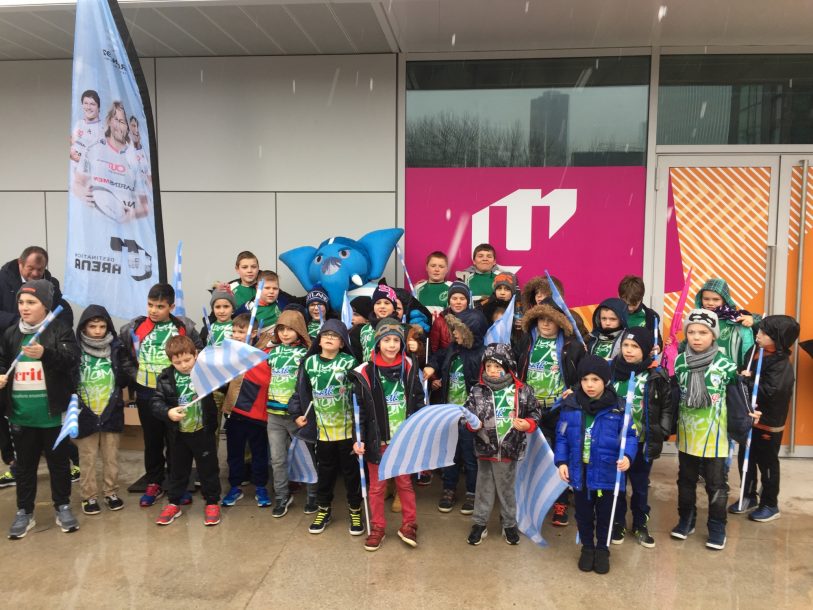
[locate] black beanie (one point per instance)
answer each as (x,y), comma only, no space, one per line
(596,365)
(643,337)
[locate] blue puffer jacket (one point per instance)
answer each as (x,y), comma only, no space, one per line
(606,441)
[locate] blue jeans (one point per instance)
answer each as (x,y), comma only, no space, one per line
(638,479)
(593,516)
(464,454)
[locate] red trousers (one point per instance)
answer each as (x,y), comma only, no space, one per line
(378,491)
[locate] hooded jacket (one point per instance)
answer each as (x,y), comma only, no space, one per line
(487,444)
(601,469)
(302,397)
(472,326)
(10,283)
(537,283)
(60,364)
(373,413)
(777,378)
(111,419)
(739,339)
(440,336)
(619,308)
(568,348)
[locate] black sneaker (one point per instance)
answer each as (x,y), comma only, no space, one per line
(113,502)
(619,531)
(321,521)
(468,505)
(91,507)
(716,539)
(310,506)
(281,507)
(76,474)
(446,501)
(511,535)
(356,524)
(586,559)
(478,532)
(601,562)
(642,536)
(684,528)
(7,479)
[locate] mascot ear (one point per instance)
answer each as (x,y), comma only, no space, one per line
(379,245)
(299,260)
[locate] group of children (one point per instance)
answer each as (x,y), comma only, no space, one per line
(317,370)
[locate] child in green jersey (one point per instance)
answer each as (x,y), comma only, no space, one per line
(703,372)
(507,410)
(433,292)
(631,290)
(145,340)
(322,408)
(101,415)
(316,303)
(652,417)
(191,430)
(609,322)
(223,305)
(268,308)
(362,338)
(291,342)
(244,287)
(479,277)
(736,325)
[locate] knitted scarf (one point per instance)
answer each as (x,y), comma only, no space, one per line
(697,396)
(592,406)
(726,312)
(98,348)
(29,329)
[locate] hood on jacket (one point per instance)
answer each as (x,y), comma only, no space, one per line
(531,287)
(617,306)
(292,319)
(548,309)
(502,354)
(410,303)
(471,324)
(718,285)
(336,326)
(94,311)
(784,331)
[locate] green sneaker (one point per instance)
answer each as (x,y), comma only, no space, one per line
(7,479)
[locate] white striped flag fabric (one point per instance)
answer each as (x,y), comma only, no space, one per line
(347,312)
(500,331)
(218,365)
(425,441)
(300,463)
(70,427)
(536,487)
(180,308)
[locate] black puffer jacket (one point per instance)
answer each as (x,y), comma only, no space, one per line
(112,418)
(472,326)
(166,397)
(487,444)
(776,379)
(373,414)
(658,412)
(60,364)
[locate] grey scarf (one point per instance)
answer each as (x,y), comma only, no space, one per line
(499,383)
(698,362)
(29,329)
(98,348)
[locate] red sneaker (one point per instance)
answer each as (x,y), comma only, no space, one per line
(374,540)
(211,514)
(169,514)
(409,534)
(154,491)
(560,518)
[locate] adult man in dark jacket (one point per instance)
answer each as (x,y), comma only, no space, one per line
(30,266)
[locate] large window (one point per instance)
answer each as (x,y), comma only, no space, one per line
(735,99)
(527,113)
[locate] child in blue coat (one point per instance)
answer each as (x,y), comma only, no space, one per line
(588,437)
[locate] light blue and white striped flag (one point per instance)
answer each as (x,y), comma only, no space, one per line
(425,441)
(347,312)
(218,365)
(70,427)
(180,308)
(536,487)
(300,463)
(500,331)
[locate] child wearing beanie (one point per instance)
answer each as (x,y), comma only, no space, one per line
(588,438)
(223,305)
(388,391)
(652,416)
(316,303)
(703,372)
(362,338)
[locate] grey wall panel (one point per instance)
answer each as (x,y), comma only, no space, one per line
(29,231)
(214,227)
(306,219)
(315,123)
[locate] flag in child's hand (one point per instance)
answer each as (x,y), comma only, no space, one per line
(300,463)
(537,486)
(347,312)
(70,427)
(425,441)
(500,331)
(218,365)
